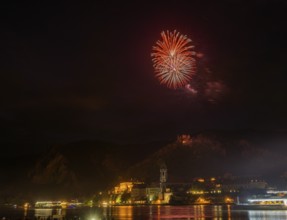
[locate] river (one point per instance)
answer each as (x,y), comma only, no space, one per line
(197,212)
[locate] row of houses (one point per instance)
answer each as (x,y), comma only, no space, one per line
(199,190)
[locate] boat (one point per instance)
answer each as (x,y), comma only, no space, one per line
(264,203)
(49,204)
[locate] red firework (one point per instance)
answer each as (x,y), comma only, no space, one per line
(173,59)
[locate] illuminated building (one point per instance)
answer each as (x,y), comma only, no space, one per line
(153,194)
(243,183)
(122,187)
(123,193)
(184,139)
(139,194)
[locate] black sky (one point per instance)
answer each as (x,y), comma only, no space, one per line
(72,71)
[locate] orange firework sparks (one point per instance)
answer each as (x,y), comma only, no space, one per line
(173,59)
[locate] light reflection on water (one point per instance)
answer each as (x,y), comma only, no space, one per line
(196,212)
(271,214)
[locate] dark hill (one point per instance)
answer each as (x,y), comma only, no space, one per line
(212,154)
(84,167)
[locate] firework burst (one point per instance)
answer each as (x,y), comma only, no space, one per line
(173,59)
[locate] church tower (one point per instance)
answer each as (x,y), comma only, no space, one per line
(163,178)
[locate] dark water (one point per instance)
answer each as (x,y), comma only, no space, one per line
(199,212)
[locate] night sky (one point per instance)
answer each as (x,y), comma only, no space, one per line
(83,71)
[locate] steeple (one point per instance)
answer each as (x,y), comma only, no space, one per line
(163,177)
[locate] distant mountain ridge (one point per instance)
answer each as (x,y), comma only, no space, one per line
(211,155)
(84,167)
